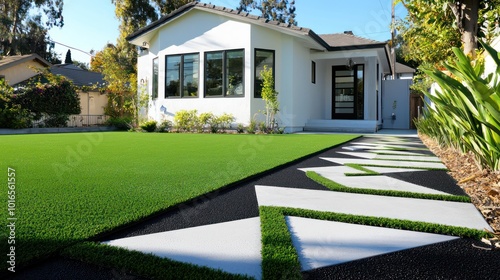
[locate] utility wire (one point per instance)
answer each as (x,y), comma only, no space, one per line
(87,53)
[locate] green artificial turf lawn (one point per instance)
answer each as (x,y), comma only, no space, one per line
(71,187)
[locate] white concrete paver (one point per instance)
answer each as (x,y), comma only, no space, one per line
(232,246)
(391,157)
(324,243)
(431,211)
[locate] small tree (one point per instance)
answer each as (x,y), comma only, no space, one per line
(270,96)
(68,59)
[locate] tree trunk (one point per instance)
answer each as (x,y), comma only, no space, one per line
(469,24)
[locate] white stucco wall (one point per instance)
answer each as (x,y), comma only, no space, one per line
(489,64)
(324,63)
(201,32)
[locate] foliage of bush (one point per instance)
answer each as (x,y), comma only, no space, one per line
(240,128)
(186,120)
(252,127)
(55,101)
(466,112)
(263,127)
(225,121)
(11,115)
(121,123)
(204,119)
(190,121)
(149,126)
(164,126)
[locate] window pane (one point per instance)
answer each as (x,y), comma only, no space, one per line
(360,92)
(234,72)
(155,79)
(172,75)
(191,68)
(262,58)
(213,74)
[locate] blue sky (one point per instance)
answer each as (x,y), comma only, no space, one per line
(91,24)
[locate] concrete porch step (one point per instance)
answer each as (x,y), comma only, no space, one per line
(366,126)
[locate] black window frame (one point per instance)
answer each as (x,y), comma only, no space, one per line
(257,86)
(224,74)
(156,78)
(181,75)
(313,72)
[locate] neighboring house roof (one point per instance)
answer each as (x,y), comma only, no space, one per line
(10,61)
(401,68)
(79,76)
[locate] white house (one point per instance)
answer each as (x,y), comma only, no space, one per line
(209,58)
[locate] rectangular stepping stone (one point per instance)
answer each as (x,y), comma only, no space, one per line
(431,211)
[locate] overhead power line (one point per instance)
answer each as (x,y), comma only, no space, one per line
(73,48)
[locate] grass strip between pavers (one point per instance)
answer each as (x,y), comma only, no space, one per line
(334,186)
(144,265)
(280,258)
(367,171)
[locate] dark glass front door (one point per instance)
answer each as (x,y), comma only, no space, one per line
(348,92)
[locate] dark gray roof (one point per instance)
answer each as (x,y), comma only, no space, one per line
(346,41)
(9,61)
(213,8)
(79,76)
(328,41)
(401,68)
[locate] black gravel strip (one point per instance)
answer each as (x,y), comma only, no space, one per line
(455,259)
(64,269)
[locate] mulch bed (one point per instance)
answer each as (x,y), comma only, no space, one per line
(482,185)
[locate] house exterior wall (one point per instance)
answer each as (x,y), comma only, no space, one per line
(202,32)
(20,72)
(92,103)
(489,63)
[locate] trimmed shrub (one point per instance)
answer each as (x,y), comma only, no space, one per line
(149,126)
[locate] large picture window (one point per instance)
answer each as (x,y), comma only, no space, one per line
(182,75)
(154,93)
(224,72)
(262,58)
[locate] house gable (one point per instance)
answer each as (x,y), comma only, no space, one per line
(18,68)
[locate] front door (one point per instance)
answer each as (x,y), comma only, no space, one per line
(348,92)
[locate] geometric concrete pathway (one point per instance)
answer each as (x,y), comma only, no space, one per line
(235,246)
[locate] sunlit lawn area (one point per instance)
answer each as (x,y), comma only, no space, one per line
(70,187)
